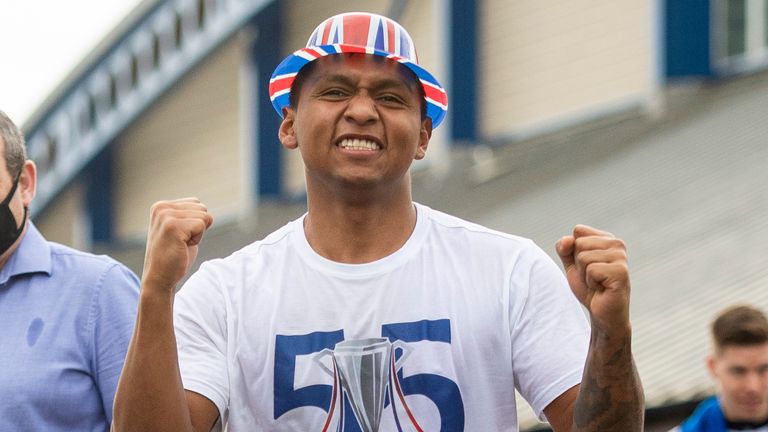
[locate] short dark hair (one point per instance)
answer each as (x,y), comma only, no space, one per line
(298,83)
(15,148)
(304,72)
(740,325)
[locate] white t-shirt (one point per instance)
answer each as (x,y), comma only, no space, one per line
(446,327)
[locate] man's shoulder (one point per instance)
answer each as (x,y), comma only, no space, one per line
(706,417)
(450,225)
(61,251)
(69,258)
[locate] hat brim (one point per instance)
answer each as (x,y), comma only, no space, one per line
(285,73)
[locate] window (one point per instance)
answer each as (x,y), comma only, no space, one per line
(741,29)
(765,24)
(736,30)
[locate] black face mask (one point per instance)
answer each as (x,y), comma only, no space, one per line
(8,230)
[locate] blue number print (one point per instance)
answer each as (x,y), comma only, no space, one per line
(286,350)
(440,390)
(443,392)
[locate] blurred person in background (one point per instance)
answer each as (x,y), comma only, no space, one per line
(739,365)
(66,316)
(372,312)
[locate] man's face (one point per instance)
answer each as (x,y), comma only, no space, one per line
(6,184)
(16,203)
(357,123)
(742,372)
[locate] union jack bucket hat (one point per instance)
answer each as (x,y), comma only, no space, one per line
(365,33)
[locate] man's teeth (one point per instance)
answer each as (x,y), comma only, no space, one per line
(358,144)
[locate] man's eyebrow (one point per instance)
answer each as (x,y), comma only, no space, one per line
(391,83)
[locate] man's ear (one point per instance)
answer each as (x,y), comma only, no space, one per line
(287,133)
(28,182)
(425,134)
(712,365)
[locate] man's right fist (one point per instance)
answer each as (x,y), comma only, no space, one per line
(175,229)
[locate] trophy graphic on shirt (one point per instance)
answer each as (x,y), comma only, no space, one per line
(366,370)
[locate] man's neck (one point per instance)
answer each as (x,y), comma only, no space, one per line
(361,232)
(746,426)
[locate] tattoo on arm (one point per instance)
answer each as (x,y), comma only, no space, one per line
(611,395)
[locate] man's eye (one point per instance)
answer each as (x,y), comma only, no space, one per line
(390,99)
(333,93)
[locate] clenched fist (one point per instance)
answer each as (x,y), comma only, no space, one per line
(595,264)
(175,231)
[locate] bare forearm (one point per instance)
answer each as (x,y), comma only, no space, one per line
(611,395)
(150,395)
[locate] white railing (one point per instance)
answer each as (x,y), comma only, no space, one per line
(158,51)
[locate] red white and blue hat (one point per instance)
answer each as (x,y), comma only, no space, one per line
(365,33)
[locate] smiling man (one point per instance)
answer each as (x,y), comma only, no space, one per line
(739,365)
(372,312)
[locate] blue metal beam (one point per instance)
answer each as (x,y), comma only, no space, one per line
(265,56)
(462,95)
(98,197)
(688,38)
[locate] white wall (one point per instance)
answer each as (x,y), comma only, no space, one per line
(187,144)
(64,220)
(544,63)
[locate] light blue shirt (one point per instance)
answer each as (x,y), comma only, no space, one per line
(66,318)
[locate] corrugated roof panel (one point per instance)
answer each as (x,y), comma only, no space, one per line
(691,202)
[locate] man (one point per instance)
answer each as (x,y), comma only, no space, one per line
(372,312)
(739,365)
(66,316)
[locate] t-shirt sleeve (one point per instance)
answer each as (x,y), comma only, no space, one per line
(201,337)
(549,330)
(114,314)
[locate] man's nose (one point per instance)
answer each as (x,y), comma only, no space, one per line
(755,383)
(362,109)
